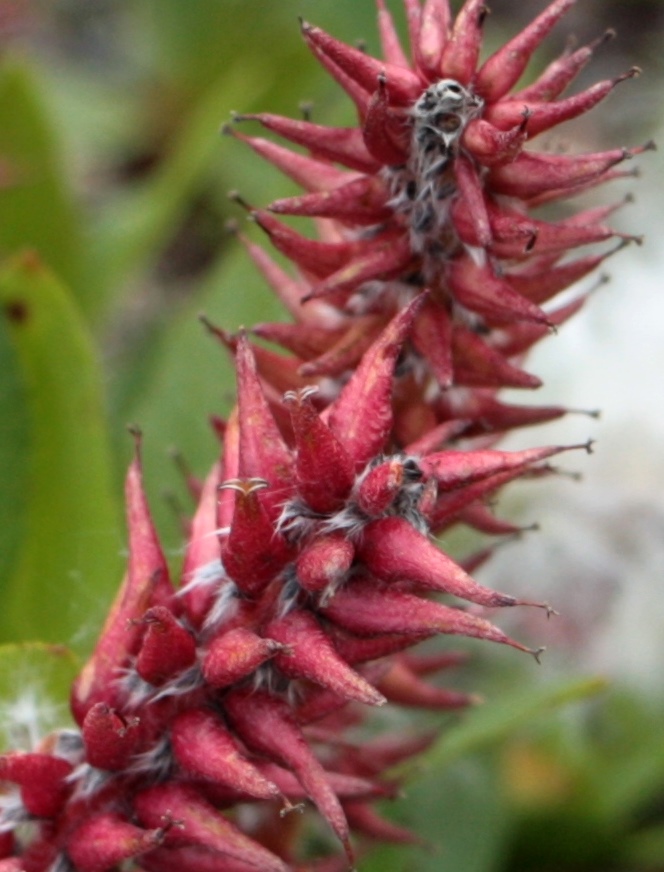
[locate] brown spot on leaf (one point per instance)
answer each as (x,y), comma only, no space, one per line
(17,311)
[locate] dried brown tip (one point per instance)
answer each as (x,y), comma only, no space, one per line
(590,413)
(607,36)
(306,107)
(544,605)
(244,486)
(173,502)
(529,528)
(137,435)
(289,807)
(566,473)
(205,321)
(536,653)
(301,394)
(631,73)
(236,197)
(180,463)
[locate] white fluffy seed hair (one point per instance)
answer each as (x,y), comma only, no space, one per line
(28,715)
(423,188)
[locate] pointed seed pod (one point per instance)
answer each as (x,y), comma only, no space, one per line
(362,414)
(167,647)
(454,469)
(110,738)
(266,724)
(204,748)
(309,653)
(101,843)
(324,562)
(502,70)
(393,550)
(378,489)
(381,125)
(262,452)
(234,655)
(365,820)
(323,468)
(42,779)
(432,37)
(253,553)
(403,85)
(363,608)
(146,584)
(307,172)
(402,686)
(462,49)
(196,822)
(478,288)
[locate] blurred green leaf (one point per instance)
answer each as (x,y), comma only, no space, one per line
(34,685)
(14,428)
(460,816)
(572,838)
(37,209)
(626,759)
(135,226)
(644,850)
(67,560)
(493,721)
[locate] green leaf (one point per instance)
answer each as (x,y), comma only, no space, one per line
(34,688)
(644,850)
(14,429)
(67,558)
(626,756)
(460,816)
(137,224)
(37,209)
(492,722)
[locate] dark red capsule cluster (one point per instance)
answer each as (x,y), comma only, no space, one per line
(212,711)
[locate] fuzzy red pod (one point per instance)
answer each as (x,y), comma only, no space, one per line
(309,653)
(110,738)
(146,584)
(324,468)
(195,822)
(236,654)
(253,552)
(167,647)
(204,747)
(266,723)
(42,779)
(102,842)
(324,562)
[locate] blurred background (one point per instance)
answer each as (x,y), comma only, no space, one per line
(114,177)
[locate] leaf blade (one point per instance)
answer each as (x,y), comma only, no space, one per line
(68,552)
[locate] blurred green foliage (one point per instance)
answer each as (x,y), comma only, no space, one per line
(113,208)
